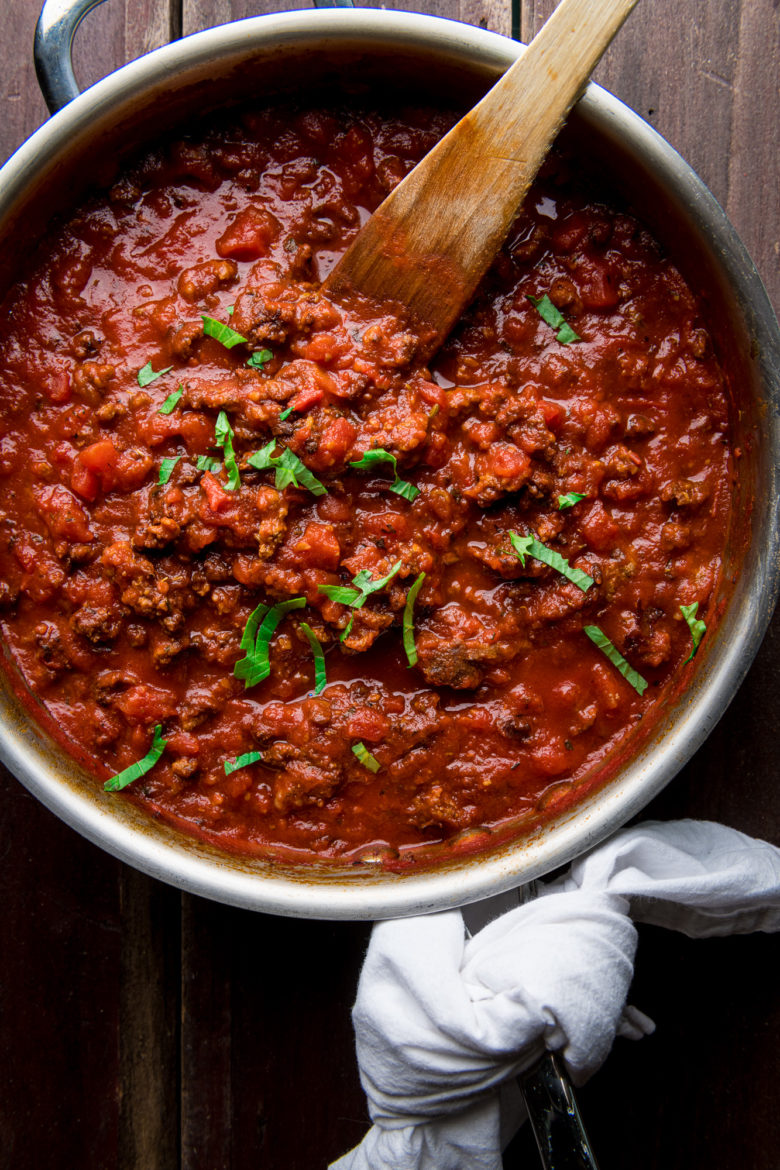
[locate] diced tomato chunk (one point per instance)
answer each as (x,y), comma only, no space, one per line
(319,547)
(600,287)
(57,387)
(554,413)
(507,461)
(568,234)
(324,347)
(249,235)
(64,515)
(310,396)
(84,481)
(599,529)
(146,704)
(216,496)
(368,724)
(95,467)
(336,440)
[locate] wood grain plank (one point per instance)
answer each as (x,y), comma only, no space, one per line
(753,200)
(699,73)
(200,14)
(148,1024)
(59,1019)
(208,939)
(119,31)
(490,14)
(269,1079)
(22,108)
(268,1070)
(297,1097)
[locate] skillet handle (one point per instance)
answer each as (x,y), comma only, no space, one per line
(54,35)
(554,1116)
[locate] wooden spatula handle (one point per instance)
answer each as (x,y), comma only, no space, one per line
(433,238)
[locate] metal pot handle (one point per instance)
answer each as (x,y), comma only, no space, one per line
(53,44)
(555,1118)
(54,35)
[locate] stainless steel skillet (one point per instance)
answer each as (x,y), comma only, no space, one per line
(277,54)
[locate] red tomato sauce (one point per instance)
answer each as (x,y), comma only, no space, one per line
(133,550)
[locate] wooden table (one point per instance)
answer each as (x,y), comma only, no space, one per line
(148,1029)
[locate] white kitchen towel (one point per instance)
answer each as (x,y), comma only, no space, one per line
(444,1021)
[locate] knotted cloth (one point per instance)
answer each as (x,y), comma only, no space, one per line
(444,1020)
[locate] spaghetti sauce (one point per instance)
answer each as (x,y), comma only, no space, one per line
(181,412)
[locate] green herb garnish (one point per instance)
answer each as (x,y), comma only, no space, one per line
(146,374)
(166,468)
(242,761)
(223,437)
(288,467)
(570,499)
(172,401)
(401,487)
(208,463)
(259,359)
(319,658)
(141,767)
(256,666)
(249,635)
(285,413)
(555,319)
(356,598)
(408,622)
(365,757)
(221,333)
(600,639)
(530,546)
(697,627)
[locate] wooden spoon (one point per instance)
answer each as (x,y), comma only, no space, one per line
(433,238)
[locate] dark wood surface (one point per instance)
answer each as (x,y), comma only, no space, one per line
(141,1028)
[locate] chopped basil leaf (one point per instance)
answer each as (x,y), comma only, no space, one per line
(172,401)
(600,639)
(566,334)
(555,319)
(141,767)
(250,629)
(366,584)
(221,333)
(231,310)
(570,499)
(264,458)
(290,470)
(365,757)
(697,627)
(288,467)
(146,374)
(343,593)
(408,622)
(285,413)
(166,468)
(207,463)
(242,761)
(256,666)
(530,546)
(259,359)
(319,658)
(401,487)
(364,587)
(376,455)
(223,437)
